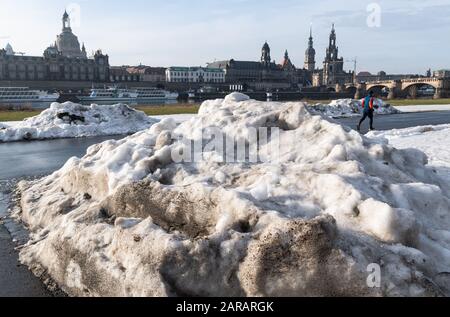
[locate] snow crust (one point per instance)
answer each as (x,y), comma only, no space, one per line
(350,107)
(70,120)
(432,140)
(126,220)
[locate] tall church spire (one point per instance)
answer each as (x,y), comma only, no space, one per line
(332,50)
(310,55)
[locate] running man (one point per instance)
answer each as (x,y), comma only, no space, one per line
(368,105)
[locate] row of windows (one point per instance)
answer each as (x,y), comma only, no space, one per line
(51,76)
(40,76)
(192,80)
(124,78)
(186,74)
(53,69)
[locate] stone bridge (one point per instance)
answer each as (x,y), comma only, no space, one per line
(401,88)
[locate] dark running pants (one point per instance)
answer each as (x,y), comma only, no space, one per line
(365,115)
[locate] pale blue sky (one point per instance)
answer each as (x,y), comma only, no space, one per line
(414,34)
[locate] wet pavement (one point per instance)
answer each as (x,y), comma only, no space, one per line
(19,160)
(401,121)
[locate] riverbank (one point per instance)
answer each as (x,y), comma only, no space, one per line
(163,110)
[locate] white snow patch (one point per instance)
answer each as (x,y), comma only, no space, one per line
(236,97)
(71,120)
(423,108)
(433,140)
(178,118)
(307,222)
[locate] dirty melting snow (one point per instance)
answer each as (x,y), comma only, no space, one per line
(349,108)
(125,220)
(70,120)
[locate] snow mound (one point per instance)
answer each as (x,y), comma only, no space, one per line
(236,97)
(349,107)
(323,214)
(70,120)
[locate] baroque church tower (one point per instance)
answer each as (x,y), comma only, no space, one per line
(310,55)
(265,56)
(332,50)
(67,43)
(333,66)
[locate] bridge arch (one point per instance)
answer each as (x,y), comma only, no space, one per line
(433,83)
(419,89)
(380,90)
(351,89)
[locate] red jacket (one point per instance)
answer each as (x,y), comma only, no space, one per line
(367,103)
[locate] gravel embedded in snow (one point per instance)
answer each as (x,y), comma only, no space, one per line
(308,220)
(71,120)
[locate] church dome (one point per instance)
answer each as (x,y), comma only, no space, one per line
(310,51)
(68,44)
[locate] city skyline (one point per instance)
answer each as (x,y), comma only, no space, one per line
(161,36)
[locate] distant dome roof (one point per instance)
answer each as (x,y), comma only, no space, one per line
(266,46)
(310,51)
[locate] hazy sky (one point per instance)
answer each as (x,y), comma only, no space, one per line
(413,35)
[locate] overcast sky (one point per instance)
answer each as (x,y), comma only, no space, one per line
(411,36)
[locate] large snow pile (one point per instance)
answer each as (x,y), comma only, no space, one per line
(432,140)
(126,220)
(70,120)
(350,107)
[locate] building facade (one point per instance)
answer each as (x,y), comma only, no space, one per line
(443,73)
(139,73)
(262,74)
(195,75)
(363,77)
(63,61)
